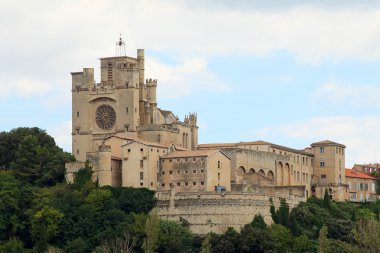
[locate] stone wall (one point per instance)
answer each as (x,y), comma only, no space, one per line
(215,212)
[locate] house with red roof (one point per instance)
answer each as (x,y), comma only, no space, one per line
(362,187)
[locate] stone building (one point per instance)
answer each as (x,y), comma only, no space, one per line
(129,141)
(317,167)
(194,171)
(121,107)
(362,187)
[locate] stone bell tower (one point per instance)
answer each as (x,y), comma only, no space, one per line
(109,107)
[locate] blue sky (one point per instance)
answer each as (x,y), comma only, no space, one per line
(289,72)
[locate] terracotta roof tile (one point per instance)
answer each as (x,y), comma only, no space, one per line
(357,174)
(327,142)
(191,153)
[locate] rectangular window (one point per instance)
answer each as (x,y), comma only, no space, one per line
(355,186)
(163,173)
(373,187)
(194,183)
(218,176)
(170,172)
(218,164)
(322,163)
(366,186)
(141,149)
(163,185)
(126,110)
(194,171)
(298,176)
(298,159)
(135,109)
(186,183)
(141,184)
(178,184)
(202,183)
(141,175)
(321,150)
(361,186)
(141,163)
(303,160)
(77,114)
(77,151)
(202,171)
(129,150)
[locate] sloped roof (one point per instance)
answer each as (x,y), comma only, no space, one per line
(193,153)
(357,174)
(165,113)
(147,143)
(328,143)
(259,142)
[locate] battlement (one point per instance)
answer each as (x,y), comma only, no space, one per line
(151,82)
(191,119)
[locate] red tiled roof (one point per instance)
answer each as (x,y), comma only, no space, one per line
(327,142)
(357,174)
(191,153)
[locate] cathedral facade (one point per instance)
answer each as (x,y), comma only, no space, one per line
(129,141)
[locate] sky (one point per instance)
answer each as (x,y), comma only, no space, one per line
(287,72)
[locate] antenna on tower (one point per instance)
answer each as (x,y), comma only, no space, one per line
(120,47)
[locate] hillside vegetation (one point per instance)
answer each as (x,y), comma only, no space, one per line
(39,212)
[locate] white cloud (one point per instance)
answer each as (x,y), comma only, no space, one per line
(359,134)
(185,78)
(358,95)
(61,134)
(24,88)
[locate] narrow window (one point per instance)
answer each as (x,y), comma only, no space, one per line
(141,184)
(194,183)
(141,163)
(178,184)
(170,172)
(218,176)
(194,171)
(322,163)
(141,175)
(77,114)
(77,151)
(129,150)
(202,183)
(163,185)
(218,164)
(126,110)
(321,150)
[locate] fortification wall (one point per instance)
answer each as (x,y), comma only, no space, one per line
(215,212)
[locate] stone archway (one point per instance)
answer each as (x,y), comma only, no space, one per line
(252,171)
(261,172)
(240,175)
(280,174)
(286,174)
(270,175)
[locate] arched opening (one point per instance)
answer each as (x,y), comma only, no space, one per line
(240,174)
(270,174)
(286,174)
(252,171)
(261,172)
(279,174)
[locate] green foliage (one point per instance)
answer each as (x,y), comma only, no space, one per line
(33,156)
(258,222)
(77,246)
(280,216)
(83,176)
(326,200)
(173,237)
(44,226)
(13,245)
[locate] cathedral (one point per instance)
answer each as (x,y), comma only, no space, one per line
(118,127)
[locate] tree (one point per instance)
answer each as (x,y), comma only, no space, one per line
(258,222)
(323,241)
(151,230)
(44,226)
(13,245)
(34,156)
(206,244)
(326,200)
(367,234)
(173,237)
